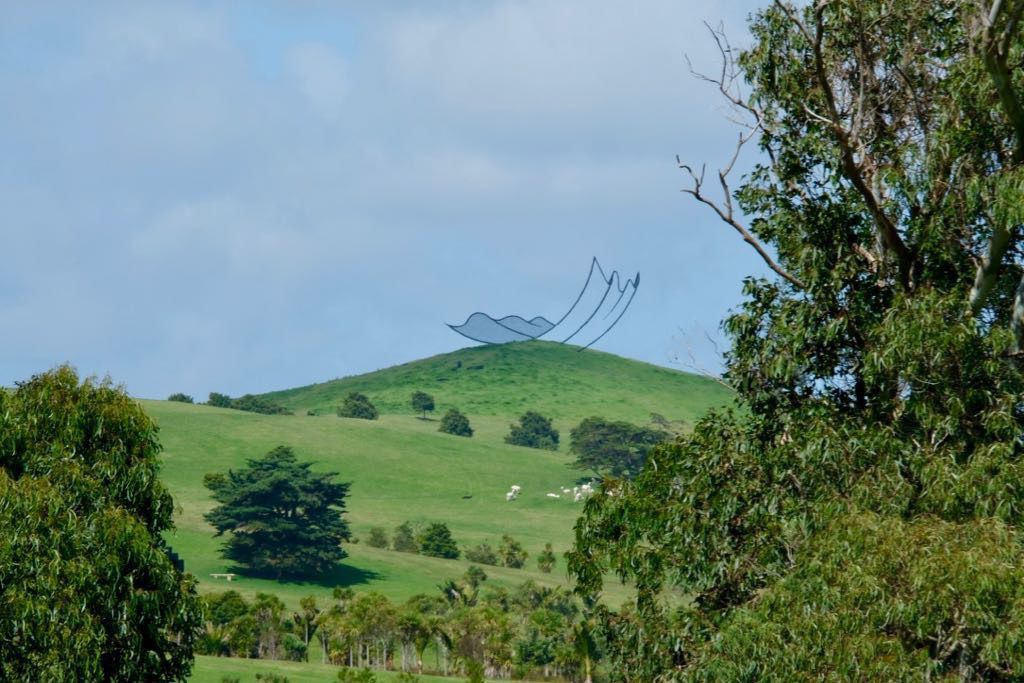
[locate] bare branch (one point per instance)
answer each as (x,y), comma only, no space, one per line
(850,145)
(726,215)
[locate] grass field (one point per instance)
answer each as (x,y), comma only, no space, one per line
(214,669)
(402,469)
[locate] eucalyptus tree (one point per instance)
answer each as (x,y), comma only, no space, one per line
(88,586)
(860,515)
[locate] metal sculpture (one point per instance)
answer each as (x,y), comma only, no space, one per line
(612,300)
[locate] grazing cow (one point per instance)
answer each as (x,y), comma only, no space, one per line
(553,495)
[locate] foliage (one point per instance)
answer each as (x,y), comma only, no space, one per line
(404,539)
(533,431)
(612,448)
(512,553)
(455,423)
(482,553)
(284,519)
(859,517)
(87,588)
(422,402)
(436,541)
(180,398)
(358,406)
(378,538)
(546,559)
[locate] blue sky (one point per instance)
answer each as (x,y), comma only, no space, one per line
(240,197)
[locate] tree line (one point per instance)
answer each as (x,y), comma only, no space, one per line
(467,626)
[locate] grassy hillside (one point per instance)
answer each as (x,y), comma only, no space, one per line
(508,379)
(402,468)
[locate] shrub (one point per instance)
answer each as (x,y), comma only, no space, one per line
(358,406)
(180,398)
(364,675)
(404,540)
(511,553)
(482,554)
(377,538)
(533,431)
(546,559)
(455,423)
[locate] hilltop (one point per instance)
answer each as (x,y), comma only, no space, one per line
(507,379)
(402,468)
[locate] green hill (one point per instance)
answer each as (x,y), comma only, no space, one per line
(402,468)
(505,380)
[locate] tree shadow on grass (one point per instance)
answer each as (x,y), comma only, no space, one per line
(341,576)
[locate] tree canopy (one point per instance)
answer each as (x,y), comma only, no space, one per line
(613,448)
(284,519)
(859,516)
(422,402)
(533,431)
(357,405)
(88,590)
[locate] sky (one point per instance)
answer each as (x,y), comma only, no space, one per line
(248,196)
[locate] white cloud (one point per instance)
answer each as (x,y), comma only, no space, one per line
(322,77)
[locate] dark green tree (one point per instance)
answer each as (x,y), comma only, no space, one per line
(546,559)
(455,423)
(533,431)
(436,541)
(511,553)
(404,539)
(180,398)
(860,516)
(219,400)
(422,402)
(357,405)
(285,520)
(611,448)
(87,588)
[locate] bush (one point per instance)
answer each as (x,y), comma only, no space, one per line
(377,538)
(546,559)
(511,553)
(436,541)
(358,406)
(404,540)
(455,423)
(533,431)
(364,675)
(482,554)
(180,398)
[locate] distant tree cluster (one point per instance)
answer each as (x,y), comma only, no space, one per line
(358,406)
(261,629)
(533,431)
(510,553)
(248,403)
(180,398)
(285,520)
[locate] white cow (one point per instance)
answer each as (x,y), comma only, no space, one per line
(553,495)
(577,498)
(510,496)
(516,488)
